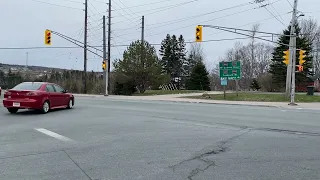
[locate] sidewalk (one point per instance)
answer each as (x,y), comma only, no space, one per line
(179,98)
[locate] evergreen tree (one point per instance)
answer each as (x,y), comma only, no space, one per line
(199,78)
(173,55)
(279,70)
(142,73)
(165,53)
(255,85)
(182,59)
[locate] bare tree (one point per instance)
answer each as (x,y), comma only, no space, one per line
(311,31)
(195,55)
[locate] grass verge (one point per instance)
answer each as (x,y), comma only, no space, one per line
(164,92)
(257,97)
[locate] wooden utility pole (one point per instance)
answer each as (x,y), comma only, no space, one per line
(293,48)
(105,73)
(85,45)
(142,31)
(109,45)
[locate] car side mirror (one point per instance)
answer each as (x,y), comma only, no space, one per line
(65,91)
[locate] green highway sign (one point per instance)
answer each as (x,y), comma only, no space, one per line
(230,65)
(230,70)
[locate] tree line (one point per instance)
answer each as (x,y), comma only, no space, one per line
(72,80)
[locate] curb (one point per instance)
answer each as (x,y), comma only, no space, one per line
(88,95)
(218,103)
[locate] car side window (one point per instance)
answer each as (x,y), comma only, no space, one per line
(58,88)
(50,88)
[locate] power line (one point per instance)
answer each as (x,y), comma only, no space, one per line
(239,12)
(265,6)
(275,10)
(200,15)
(126,7)
(160,8)
(255,22)
(100,2)
(187,18)
(57,5)
(290,3)
(122,45)
(127,19)
(74,1)
(157,2)
(172,6)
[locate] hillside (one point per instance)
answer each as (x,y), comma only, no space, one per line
(40,69)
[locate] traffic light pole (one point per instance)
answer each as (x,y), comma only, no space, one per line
(292,62)
(105,73)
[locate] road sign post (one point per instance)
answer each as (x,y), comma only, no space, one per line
(230,71)
(224,83)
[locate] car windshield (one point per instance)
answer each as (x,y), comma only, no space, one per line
(27,86)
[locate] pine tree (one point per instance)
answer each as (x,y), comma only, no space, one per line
(173,55)
(165,52)
(199,79)
(255,85)
(174,61)
(182,59)
(279,70)
(143,74)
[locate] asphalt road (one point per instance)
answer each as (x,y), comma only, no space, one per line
(126,140)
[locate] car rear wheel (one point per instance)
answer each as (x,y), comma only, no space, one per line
(13,110)
(45,107)
(70,104)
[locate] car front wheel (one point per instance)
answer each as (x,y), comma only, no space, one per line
(13,110)
(70,104)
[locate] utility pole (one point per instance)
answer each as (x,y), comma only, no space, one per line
(109,45)
(85,45)
(105,74)
(142,45)
(293,38)
(142,31)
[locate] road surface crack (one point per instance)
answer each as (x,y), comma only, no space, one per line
(77,165)
(221,147)
(287,131)
(31,154)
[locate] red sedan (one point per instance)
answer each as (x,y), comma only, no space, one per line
(37,95)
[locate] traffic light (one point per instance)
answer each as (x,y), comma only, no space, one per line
(286,57)
(104,65)
(47,37)
(199,33)
(301,57)
(299,68)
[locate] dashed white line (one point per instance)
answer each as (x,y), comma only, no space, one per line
(53,134)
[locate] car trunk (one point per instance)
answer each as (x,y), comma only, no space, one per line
(15,94)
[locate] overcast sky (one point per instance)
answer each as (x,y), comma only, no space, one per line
(23,23)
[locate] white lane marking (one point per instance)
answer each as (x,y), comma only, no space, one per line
(53,134)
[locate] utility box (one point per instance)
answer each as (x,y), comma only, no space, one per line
(310,90)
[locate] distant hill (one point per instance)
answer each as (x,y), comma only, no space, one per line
(32,68)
